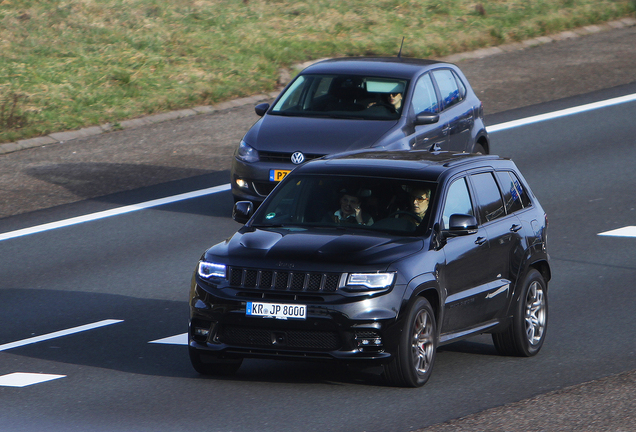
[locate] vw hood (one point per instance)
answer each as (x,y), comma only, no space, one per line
(315,135)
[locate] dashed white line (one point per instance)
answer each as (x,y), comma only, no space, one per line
(58,334)
(628,231)
(225,187)
(180,339)
(22,379)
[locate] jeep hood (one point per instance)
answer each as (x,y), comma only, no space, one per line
(272,248)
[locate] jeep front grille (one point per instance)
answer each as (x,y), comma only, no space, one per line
(283,280)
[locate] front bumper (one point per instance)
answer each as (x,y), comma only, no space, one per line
(358,329)
(255,177)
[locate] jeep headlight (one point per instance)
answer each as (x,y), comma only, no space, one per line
(372,281)
(208,270)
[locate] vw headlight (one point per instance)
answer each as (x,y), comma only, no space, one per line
(246,152)
(208,270)
(373,281)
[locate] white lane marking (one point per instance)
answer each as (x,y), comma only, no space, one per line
(180,339)
(561,113)
(58,334)
(225,187)
(113,212)
(628,231)
(21,379)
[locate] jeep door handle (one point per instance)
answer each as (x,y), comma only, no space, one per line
(481,240)
(515,227)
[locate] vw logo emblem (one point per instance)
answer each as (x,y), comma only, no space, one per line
(297,158)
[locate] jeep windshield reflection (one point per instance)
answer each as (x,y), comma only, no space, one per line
(390,205)
(343,96)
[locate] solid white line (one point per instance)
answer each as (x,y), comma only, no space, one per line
(180,339)
(225,187)
(113,212)
(58,334)
(628,231)
(561,113)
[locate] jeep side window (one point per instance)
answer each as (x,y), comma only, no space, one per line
(512,191)
(490,203)
(457,201)
(518,189)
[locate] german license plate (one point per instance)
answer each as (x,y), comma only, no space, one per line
(276,310)
(277,175)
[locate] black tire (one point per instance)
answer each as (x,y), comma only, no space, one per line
(479,149)
(412,364)
(525,335)
(209,364)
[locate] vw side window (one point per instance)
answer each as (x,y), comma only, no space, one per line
(457,201)
(424,96)
(291,98)
(462,87)
(447,87)
(488,196)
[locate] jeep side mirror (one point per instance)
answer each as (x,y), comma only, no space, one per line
(242,211)
(426,117)
(261,109)
(461,224)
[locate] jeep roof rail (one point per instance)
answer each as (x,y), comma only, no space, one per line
(466,160)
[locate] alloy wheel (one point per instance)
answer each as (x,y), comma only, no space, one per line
(423,346)
(535,313)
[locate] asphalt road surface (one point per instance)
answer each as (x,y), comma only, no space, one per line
(93,314)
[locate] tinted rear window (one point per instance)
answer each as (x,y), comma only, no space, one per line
(490,202)
(515,196)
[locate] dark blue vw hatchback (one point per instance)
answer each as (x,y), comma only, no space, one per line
(377,258)
(346,104)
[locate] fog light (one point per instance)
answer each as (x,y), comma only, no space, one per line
(368,339)
(242,183)
(201,332)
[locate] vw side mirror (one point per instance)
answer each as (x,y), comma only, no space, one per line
(261,109)
(426,117)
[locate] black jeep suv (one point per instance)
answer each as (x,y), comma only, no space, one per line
(377,257)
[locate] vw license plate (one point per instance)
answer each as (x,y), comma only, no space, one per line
(275,310)
(277,175)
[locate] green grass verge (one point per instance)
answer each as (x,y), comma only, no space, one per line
(76,63)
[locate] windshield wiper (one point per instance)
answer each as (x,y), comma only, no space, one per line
(269,225)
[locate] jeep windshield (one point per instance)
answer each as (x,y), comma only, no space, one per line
(343,96)
(388,205)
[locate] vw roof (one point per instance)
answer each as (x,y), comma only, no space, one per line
(397,67)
